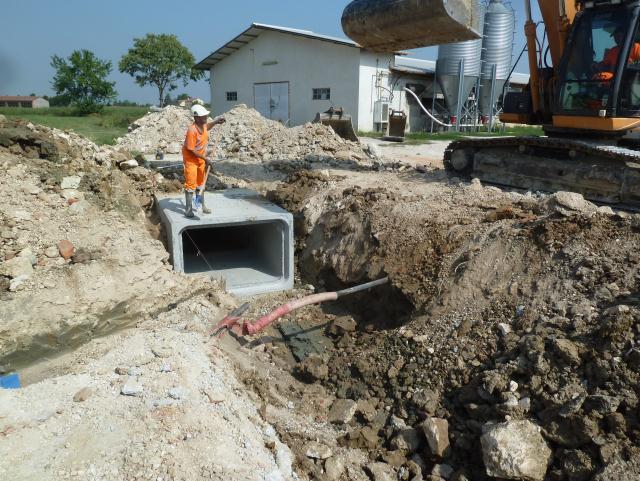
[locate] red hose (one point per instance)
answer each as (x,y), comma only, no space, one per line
(284,309)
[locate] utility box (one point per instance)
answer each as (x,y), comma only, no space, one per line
(246,241)
(381,114)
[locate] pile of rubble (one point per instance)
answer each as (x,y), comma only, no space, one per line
(246,135)
(522,350)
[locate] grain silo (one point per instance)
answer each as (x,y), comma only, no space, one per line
(497,50)
(456,85)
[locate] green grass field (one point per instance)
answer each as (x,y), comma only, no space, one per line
(426,137)
(102,128)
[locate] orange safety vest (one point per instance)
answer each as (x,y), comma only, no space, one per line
(611,56)
(195,141)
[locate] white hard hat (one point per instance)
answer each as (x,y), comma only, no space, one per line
(199,111)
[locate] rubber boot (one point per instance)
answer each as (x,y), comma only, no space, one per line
(188,211)
(205,210)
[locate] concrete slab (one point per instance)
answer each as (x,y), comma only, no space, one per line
(246,241)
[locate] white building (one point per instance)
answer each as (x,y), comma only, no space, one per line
(290,75)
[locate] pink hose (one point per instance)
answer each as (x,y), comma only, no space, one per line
(284,309)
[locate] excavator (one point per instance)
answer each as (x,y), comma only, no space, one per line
(584,90)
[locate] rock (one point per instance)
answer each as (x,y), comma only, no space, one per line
(620,470)
(504,328)
(71,182)
(577,465)
(28,254)
(18,266)
(436,431)
(567,351)
(394,458)
(426,400)
(606,210)
(313,368)
(475,184)
(132,388)
(128,164)
(600,403)
(342,411)
(66,249)
(341,325)
(572,431)
(81,256)
(381,472)
(21,215)
(78,207)
(317,450)
(633,358)
(74,195)
(177,392)
(16,283)
(52,252)
(82,395)
(442,470)
(408,440)
(570,203)
(333,468)
(515,450)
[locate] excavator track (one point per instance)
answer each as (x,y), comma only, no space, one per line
(601,173)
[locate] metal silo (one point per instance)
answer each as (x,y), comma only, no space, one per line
(497,49)
(453,56)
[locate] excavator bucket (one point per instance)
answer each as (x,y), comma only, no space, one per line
(394,25)
(339,122)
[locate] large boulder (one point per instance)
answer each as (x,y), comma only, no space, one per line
(515,450)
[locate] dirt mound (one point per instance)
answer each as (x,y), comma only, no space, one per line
(520,309)
(110,344)
(246,135)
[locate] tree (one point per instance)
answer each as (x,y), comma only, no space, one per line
(159,60)
(82,80)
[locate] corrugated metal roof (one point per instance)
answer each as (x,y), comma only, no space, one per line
(253,32)
(418,66)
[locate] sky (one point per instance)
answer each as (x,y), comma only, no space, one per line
(35,30)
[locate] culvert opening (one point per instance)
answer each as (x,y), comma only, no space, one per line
(240,254)
(247,241)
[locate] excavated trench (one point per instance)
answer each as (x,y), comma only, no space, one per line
(524,313)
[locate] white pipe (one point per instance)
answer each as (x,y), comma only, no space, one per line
(424,109)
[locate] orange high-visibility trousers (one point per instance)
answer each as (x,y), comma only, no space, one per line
(193,173)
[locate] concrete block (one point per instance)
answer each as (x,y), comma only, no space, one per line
(246,241)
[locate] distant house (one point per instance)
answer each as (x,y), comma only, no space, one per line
(23,101)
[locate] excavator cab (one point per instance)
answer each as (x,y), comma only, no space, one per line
(599,75)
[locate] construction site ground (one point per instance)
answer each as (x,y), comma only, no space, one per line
(506,345)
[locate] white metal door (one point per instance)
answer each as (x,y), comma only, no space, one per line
(272,100)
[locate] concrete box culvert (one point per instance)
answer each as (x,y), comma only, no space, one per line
(246,241)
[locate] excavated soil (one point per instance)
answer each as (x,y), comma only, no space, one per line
(501,307)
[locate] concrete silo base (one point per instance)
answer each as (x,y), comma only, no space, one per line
(246,241)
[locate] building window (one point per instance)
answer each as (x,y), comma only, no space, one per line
(232,96)
(321,94)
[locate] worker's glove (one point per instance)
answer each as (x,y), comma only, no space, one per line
(219,119)
(209,163)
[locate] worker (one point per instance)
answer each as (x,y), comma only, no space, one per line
(607,67)
(194,157)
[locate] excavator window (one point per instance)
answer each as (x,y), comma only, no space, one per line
(629,103)
(588,78)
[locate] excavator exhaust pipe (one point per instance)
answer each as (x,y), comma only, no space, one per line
(394,25)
